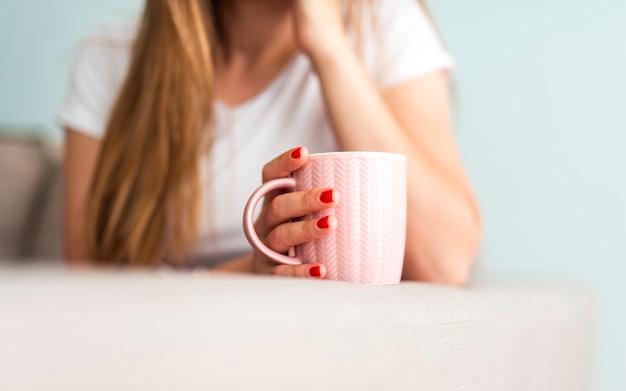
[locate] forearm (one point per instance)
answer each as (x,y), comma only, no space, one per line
(242,264)
(355,106)
(442,226)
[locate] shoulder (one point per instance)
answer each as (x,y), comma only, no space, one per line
(400,42)
(385,15)
(106,50)
(386,8)
(98,71)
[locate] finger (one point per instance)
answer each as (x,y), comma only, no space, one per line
(291,205)
(287,235)
(317,270)
(284,164)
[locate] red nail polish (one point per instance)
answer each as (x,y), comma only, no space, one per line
(315,271)
(296,153)
(327,197)
(323,223)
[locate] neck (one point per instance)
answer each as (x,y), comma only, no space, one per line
(252,28)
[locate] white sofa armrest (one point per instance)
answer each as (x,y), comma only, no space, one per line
(65,331)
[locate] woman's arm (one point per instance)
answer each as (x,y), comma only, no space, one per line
(443,227)
(242,264)
(81,154)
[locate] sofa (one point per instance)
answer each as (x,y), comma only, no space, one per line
(163,330)
(30,198)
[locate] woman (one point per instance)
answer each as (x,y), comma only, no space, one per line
(168,121)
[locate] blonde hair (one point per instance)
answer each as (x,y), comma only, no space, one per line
(147,179)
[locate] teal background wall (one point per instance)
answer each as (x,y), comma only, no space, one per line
(38,39)
(541,125)
(543,131)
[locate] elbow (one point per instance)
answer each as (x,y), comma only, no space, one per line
(74,257)
(460,263)
(450,263)
(456,270)
(75,252)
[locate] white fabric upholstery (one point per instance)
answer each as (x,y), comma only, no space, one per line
(162,331)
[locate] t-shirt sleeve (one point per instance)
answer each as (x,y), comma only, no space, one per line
(403,43)
(94,82)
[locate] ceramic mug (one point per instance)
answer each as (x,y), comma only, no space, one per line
(368,244)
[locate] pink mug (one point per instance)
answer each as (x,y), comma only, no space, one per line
(368,244)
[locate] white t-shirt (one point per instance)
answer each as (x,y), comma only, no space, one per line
(289,112)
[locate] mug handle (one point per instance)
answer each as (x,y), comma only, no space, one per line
(248,219)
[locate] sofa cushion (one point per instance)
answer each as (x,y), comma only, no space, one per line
(47,238)
(21,169)
(30,200)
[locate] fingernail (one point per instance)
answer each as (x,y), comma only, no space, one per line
(296,153)
(327,197)
(315,271)
(323,223)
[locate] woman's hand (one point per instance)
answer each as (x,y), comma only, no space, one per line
(319,27)
(275,226)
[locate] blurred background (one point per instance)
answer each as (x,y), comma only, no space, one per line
(541,126)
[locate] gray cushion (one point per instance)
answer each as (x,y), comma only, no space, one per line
(30,200)
(20,173)
(47,240)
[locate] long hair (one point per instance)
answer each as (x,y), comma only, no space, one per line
(147,179)
(147,175)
